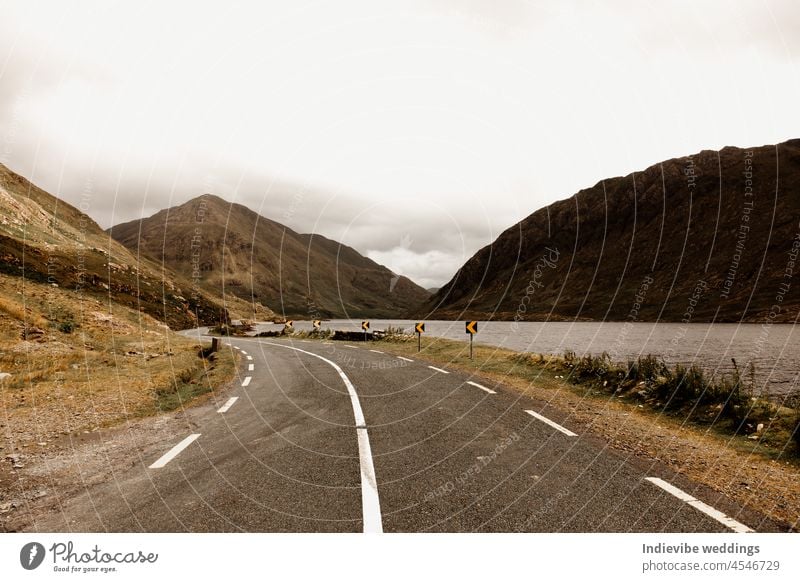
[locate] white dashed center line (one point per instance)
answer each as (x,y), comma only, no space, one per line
(700,506)
(251,367)
(228,404)
(249,357)
(351,347)
(439,370)
(174,451)
(547,421)
(377,351)
(406,359)
(246,381)
(244,352)
(484,388)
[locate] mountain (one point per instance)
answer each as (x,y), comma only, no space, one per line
(228,247)
(708,237)
(45,240)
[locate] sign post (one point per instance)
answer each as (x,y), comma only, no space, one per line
(420,327)
(365,327)
(472,329)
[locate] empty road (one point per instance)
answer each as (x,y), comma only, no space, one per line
(336,437)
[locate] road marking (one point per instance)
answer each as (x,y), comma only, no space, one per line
(377,351)
(244,352)
(370,502)
(439,370)
(246,381)
(351,347)
(546,420)
(327,343)
(228,404)
(174,451)
(484,388)
(251,367)
(736,526)
(249,357)
(406,359)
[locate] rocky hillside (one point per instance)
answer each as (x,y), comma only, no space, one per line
(709,237)
(229,247)
(45,240)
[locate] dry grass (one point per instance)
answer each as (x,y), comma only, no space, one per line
(17,311)
(109,364)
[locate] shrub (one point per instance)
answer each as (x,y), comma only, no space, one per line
(67,326)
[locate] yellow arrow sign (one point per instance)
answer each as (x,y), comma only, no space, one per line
(290,323)
(317,323)
(365,325)
(472,327)
(420,327)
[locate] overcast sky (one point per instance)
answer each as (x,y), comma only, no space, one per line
(415,131)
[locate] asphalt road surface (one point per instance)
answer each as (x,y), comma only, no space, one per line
(337,437)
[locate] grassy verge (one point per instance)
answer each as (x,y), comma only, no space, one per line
(190,383)
(723,406)
(73,364)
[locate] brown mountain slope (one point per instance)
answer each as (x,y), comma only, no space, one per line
(231,248)
(709,237)
(45,240)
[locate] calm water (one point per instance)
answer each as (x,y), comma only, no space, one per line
(774,350)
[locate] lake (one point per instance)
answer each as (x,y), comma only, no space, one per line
(774,350)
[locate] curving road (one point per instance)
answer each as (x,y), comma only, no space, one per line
(341,437)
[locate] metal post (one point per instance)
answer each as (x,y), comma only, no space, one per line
(470,346)
(214,344)
(419,341)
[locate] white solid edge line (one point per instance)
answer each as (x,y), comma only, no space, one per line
(249,357)
(174,451)
(227,406)
(547,421)
(246,381)
(370,502)
(406,359)
(439,370)
(484,388)
(351,347)
(251,367)
(736,526)
(377,351)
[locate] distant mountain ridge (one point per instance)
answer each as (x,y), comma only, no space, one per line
(46,240)
(229,248)
(709,237)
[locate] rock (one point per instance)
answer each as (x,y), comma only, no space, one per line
(353,336)
(31,332)
(760,427)
(4,376)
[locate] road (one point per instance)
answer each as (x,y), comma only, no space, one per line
(335,437)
